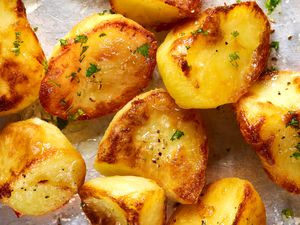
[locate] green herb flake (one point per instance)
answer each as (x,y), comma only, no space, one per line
(82,39)
(143,50)
(294,122)
(83,50)
(54,83)
(272,69)
(17,44)
(233,57)
(177,135)
(271,5)
(35,29)
(61,124)
(102,35)
(63,42)
(45,65)
(199,31)
(75,116)
(187,47)
(92,70)
(79,93)
(295,155)
(287,213)
(105,11)
(275,45)
(238,1)
(235,33)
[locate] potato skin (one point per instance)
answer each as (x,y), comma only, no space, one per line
(123,200)
(264,114)
(40,169)
(21,69)
(157,14)
(227,201)
(138,142)
(99,75)
(213,60)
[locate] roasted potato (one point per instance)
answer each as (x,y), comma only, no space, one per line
(227,201)
(269,121)
(213,60)
(39,168)
(21,59)
(124,200)
(99,66)
(154,138)
(158,14)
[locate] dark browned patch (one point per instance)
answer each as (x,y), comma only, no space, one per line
(5,191)
(20,9)
(251,134)
(248,192)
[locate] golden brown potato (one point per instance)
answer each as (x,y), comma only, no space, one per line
(154,138)
(103,62)
(123,200)
(269,121)
(40,169)
(227,201)
(213,60)
(158,14)
(21,59)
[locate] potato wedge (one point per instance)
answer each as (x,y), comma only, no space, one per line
(21,59)
(227,201)
(269,121)
(158,14)
(154,138)
(40,169)
(123,200)
(213,60)
(99,66)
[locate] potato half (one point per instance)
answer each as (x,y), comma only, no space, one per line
(227,201)
(39,168)
(213,60)
(154,138)
(99,66)
(21,59)
(123,200)
(269,121)
(158,14)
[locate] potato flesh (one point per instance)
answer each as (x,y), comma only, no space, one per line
(227,201)
(123,200)
(202,63)
(20,73)
(147,149)
(112,46)
(40,170)
(150,13)
(265,108)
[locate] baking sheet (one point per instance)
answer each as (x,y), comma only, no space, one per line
(229,155)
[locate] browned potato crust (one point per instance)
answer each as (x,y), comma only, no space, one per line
(105,61)
(269,121)
(40,169)
(21,59)
(228,201)
(213,60)
(158,14)
(145,139)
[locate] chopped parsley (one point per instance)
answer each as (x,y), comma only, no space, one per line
(75,116)
(105,11)
(92,70)
(295,155)
(271,69)
(143,50)
(82,39)
(287,213)
(275,45)
(199,31)
(45,65)
(235,33)
(83,50)
(54,83)
(238,1)
(294,122)
(102,35)
(63,42)
(17,44)
(35,29)
(187,47)
(177,135)
(271,5)
(233,57)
